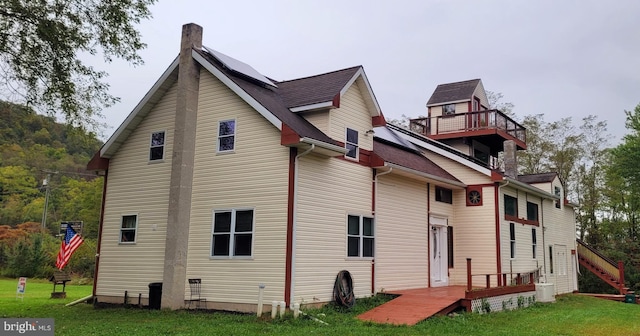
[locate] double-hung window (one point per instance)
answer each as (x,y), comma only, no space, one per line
(360,236)
(351,144)
(556,191)
(128,228)
(512,240)
(156,148)
(510,207)
(534,242)
(226,136)
(232,234)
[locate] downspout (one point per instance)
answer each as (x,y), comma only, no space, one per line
(544,252)
(498,244)
(375,246)
(95,271)
(295,219)
(428,234)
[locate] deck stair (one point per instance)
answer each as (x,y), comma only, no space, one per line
(603,267)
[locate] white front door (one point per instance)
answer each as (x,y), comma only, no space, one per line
(438,252)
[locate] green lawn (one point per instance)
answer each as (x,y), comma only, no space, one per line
(571,315)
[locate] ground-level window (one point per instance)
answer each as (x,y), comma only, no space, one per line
(534,242)
(128,228)
(351,144)
(232,233)
(444,195)
(226,136)
(360,236)
(512,239)
(156,148)
(510,206)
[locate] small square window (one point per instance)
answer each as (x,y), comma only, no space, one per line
(156,149)
(444,195)
(449,109)
(226,136)
(128,228)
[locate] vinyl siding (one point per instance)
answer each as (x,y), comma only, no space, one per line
(402,234)
(352,114)
(137,186)
(474,236)
(480,93)
(463,173)
(254,176)
(523,261)
(560,231)
(319,119)
(329,189)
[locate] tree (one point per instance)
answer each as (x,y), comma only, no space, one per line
(40,47)
(496,103)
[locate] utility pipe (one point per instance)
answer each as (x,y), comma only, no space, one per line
(295,221)
(260,293)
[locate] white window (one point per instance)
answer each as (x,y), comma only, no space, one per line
(232,233)
(156,149)
(556,191)
(226,136)
(128,228)
(352,144)
(360,236)
(449,109)
(512,239)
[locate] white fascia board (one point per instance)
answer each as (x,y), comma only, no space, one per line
(426,175)
(238,90)
(442,152)
(310,107)
(372,97)
(325,145)
(451,102)
(139,108)
(531,188)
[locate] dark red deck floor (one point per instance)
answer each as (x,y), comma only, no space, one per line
(414,305)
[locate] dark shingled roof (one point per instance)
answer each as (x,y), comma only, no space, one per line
(451,92)
(409,159)
(271,99)
(315,89)
(537,178)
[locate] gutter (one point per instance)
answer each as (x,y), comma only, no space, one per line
(321,144)
(426,175)
(530,188)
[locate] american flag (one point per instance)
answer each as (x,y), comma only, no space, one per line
(70,243)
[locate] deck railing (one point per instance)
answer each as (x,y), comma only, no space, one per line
(469,121)
(507,283)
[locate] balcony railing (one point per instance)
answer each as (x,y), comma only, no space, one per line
(469,121)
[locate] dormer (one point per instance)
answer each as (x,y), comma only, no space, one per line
(458,115)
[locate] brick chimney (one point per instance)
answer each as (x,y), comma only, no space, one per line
(510,159)
(182,160)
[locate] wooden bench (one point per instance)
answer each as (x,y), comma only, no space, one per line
(59,278)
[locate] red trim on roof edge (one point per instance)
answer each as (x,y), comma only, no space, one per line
(288,136)
(336,101)
(293,151)
(378,121)
(98,163)
(375,160)
(495,176)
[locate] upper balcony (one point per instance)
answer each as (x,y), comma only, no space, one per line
(490,127)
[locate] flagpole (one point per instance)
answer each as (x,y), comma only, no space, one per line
(45,184)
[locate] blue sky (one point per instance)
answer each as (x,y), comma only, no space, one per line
(559,58)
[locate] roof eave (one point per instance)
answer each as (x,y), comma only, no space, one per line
(531,188)
(369,99)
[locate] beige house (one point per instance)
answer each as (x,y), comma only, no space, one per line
(225,175)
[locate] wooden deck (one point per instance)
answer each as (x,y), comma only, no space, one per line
(415,305)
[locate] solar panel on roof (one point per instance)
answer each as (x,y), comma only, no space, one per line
(238,66)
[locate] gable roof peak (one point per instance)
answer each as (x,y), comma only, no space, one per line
(454,92)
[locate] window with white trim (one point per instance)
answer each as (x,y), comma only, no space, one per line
(448,109)
(128,228)
(232,234)
(156,148)
(360,236)
(226,136)
(351,144)
(512,239)
(556,191)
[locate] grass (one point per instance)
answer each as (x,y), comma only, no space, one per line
(570,315)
